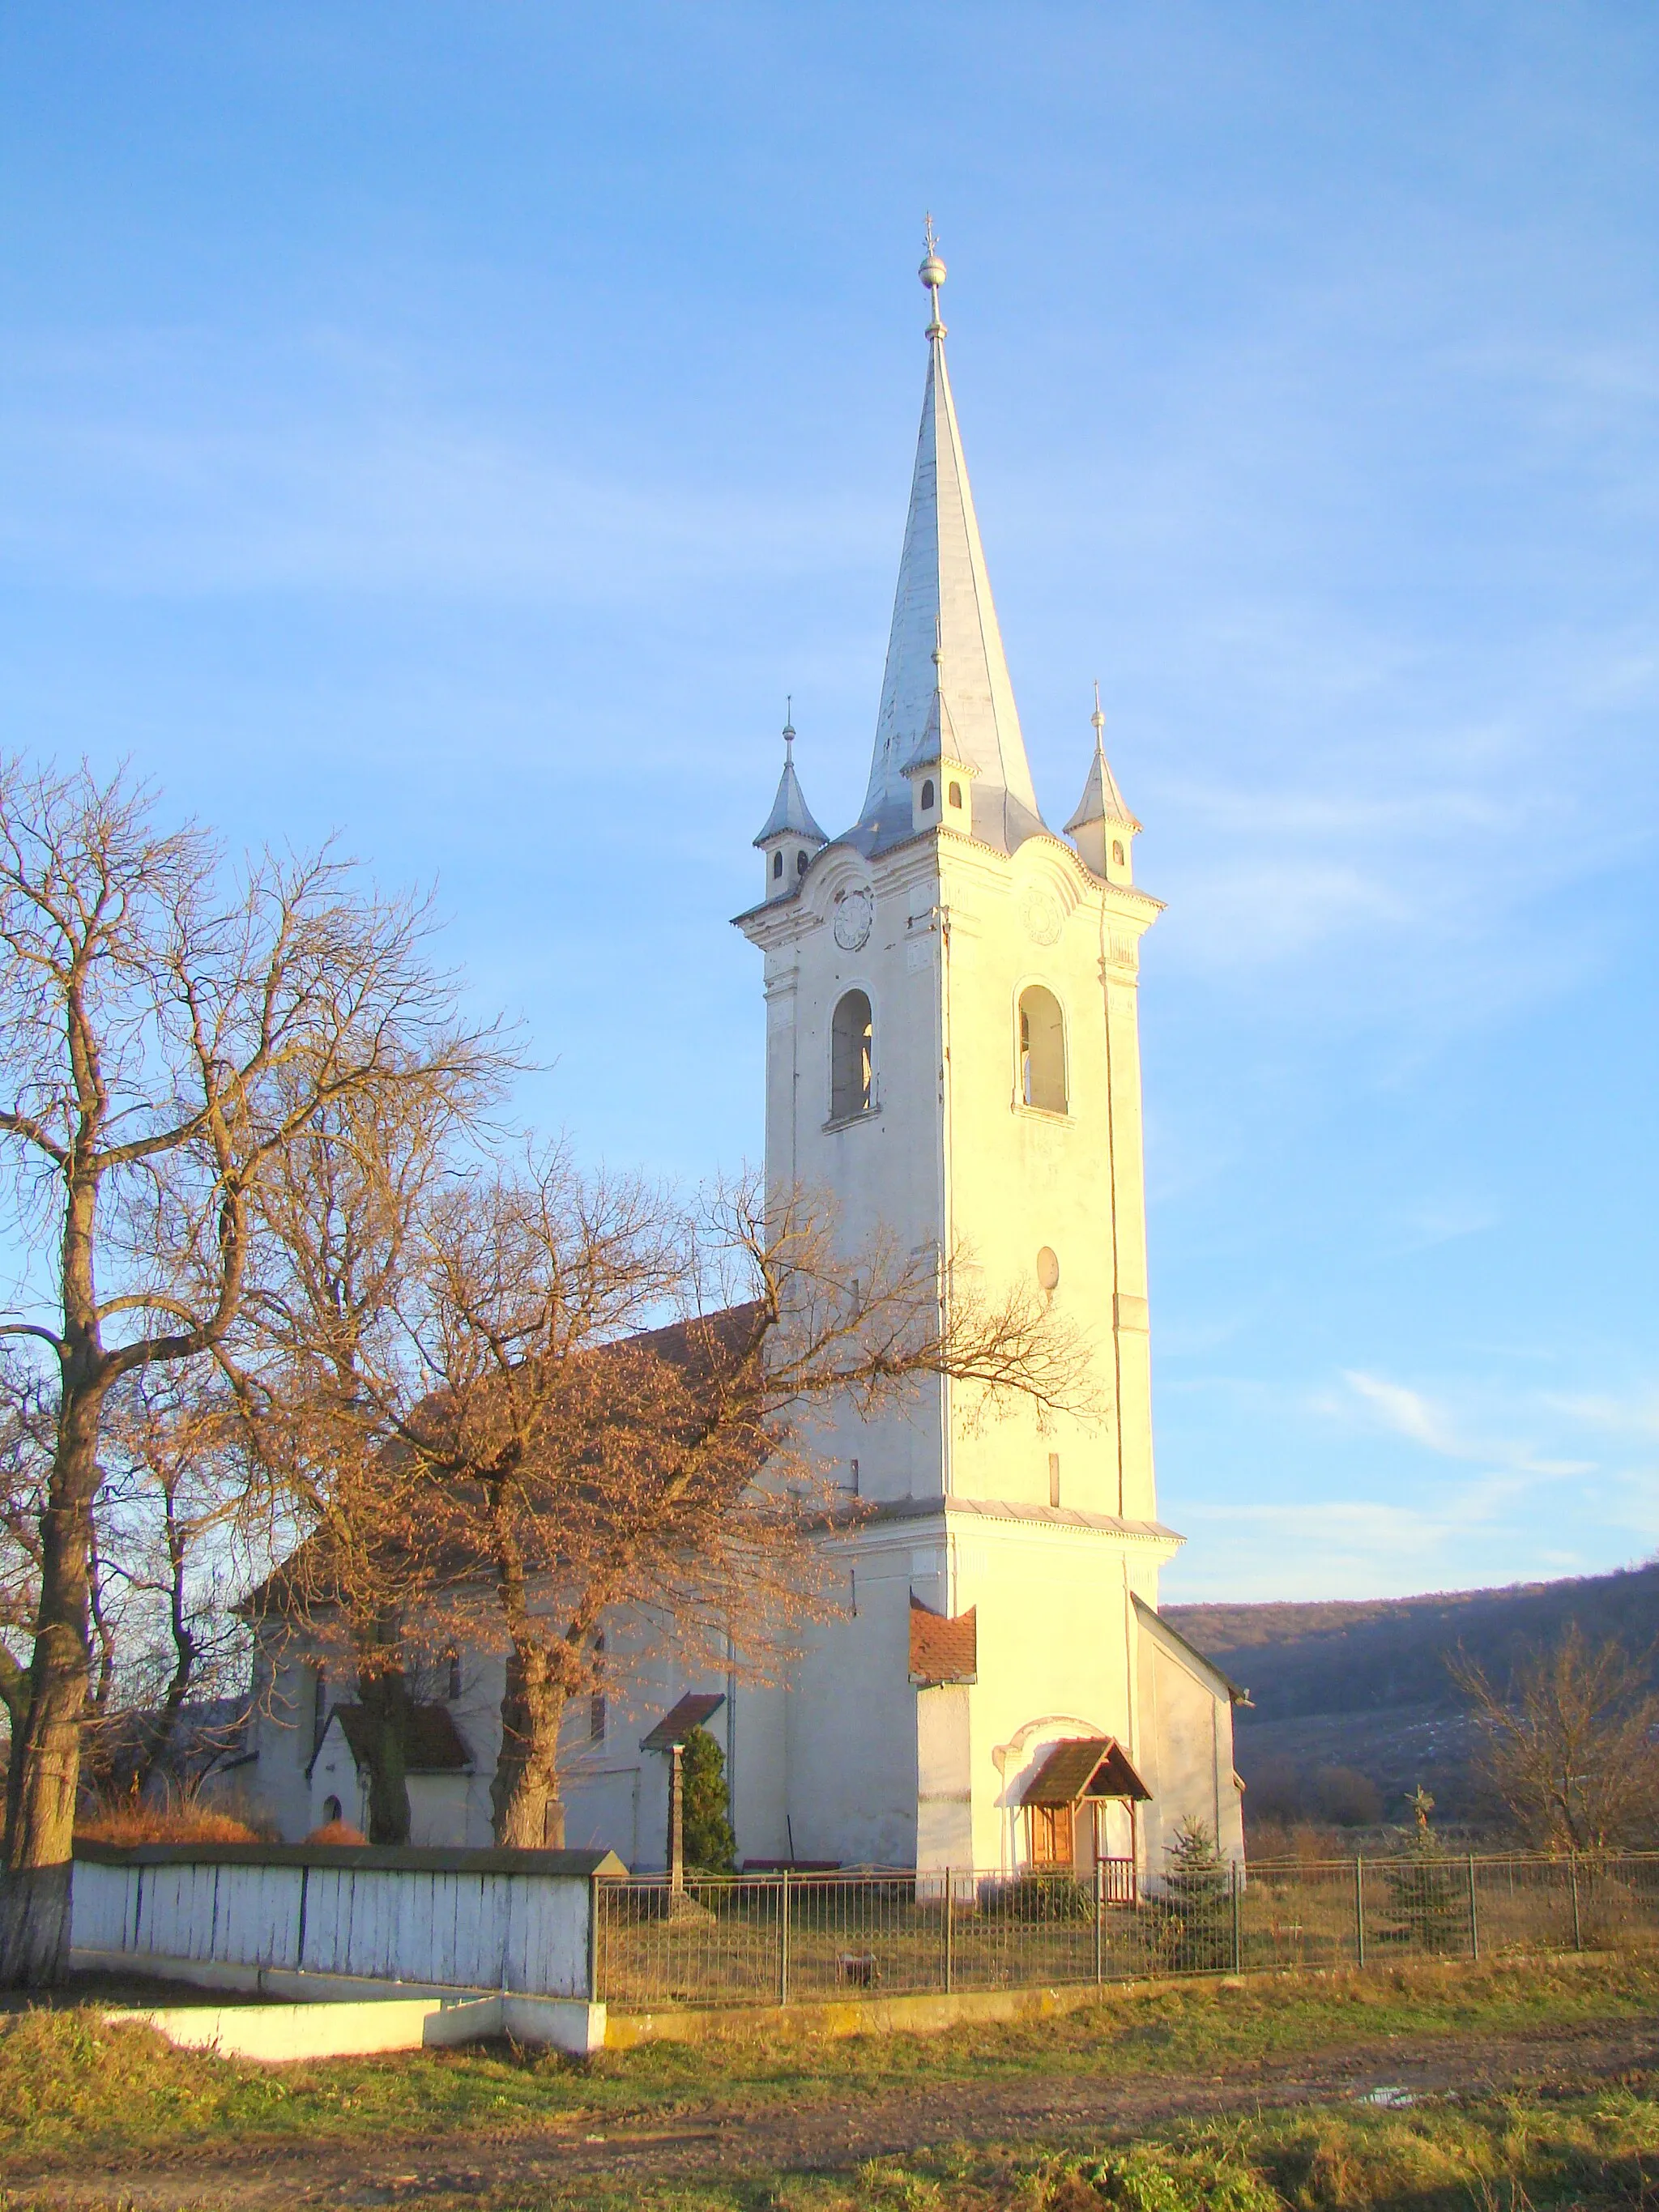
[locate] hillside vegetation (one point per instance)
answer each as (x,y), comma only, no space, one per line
(1346,1694)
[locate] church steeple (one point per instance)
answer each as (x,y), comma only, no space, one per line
(943,599)
(789,836)
(937,775)
(1102,826)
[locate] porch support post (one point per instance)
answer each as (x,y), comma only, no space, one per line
(1100,1919)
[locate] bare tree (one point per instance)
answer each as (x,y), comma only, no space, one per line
(492,1394)
(555,1462)
(167,1521)
(1572,1747)
(346,1215)
(164,1032)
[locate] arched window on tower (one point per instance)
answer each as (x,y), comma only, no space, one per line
(850,1064)
(1041,1050)
(800,863)
(777,864)
(927,795)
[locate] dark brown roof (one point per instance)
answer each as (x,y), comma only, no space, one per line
(692,1710)
(701,1345)
(431,1743)
(944,1647)
(1085,1767)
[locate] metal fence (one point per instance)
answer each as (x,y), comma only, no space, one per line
(795,1937)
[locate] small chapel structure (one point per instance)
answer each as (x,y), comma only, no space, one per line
(952,1054)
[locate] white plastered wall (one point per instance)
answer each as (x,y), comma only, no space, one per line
(1187,1724)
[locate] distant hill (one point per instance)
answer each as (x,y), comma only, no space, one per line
(1364,1687)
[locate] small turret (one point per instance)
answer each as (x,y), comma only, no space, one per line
(790,836)
(1102,828)
(937,772)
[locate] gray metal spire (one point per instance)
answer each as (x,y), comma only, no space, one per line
(1102,800)
(790,815)
(943,601)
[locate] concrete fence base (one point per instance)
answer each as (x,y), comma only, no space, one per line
(320,2026)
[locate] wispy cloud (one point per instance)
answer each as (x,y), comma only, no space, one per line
(197,479)
(1365,1547)
(1635,1415)
(1410,1413)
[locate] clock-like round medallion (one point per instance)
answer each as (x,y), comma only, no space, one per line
(853,916)
(1041,914)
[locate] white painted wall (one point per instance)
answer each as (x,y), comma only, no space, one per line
(483,1928)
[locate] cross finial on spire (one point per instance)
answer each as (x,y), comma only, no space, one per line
(932,273)
(789,726)
(1099,720)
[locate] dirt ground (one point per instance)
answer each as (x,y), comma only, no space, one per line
(738,2138)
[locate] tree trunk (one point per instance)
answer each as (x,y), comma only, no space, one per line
(159,1738)
(34,1930)
(523,1798)
(383,1692)
(15,1696)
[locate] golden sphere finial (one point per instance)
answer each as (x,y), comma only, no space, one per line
(932,273)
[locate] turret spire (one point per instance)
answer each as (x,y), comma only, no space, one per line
(789,836)
(944,601)
(1103,825)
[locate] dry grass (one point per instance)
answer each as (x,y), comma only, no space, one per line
(130,1822)
(1586,2152)
(336,1831)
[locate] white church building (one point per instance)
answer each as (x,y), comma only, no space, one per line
(952,1055)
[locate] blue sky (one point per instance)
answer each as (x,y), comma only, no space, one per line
(460,426)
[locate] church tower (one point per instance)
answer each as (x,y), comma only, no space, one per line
(953,1057)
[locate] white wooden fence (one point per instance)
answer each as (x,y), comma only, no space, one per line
(520,1921)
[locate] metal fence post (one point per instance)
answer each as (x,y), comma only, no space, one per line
(1238,1946)
(783,1938)
(1359,1908)
(1577,1927)
(1100,1923)
(949,1934)
(592,1939)
(1474,1917)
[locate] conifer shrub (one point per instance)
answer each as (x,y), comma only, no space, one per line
(709,1845)
(1426,1890)
(1197,1900)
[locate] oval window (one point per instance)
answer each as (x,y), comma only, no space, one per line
(1047,1270)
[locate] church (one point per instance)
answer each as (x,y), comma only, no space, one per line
(952,1054)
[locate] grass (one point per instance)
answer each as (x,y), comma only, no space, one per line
(1514,2153)
(126,1821)
(1590,2153)
(74,2088)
